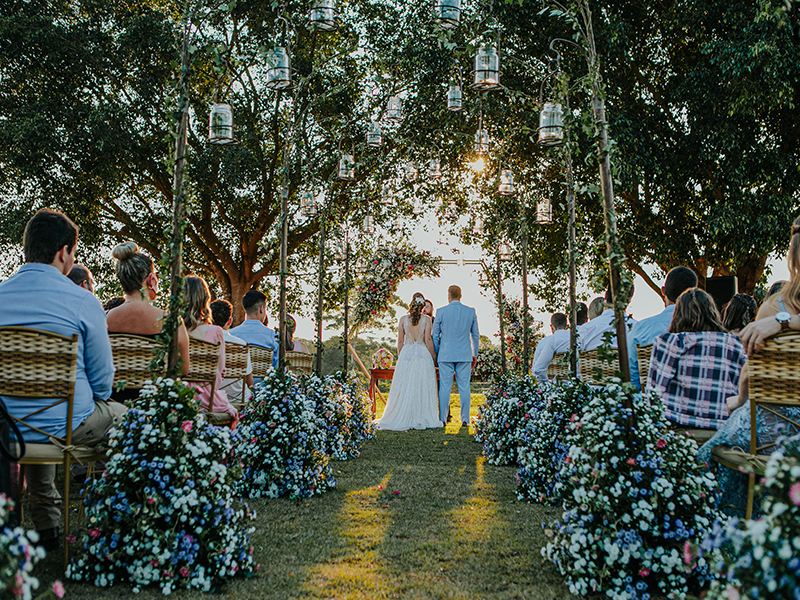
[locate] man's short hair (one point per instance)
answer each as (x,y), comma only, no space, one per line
(454,292)
(252,301)
(221,311)
(112,303)
(678,281)
(46,233)
(78,274)
(558,321)
(609,298)
(581,313)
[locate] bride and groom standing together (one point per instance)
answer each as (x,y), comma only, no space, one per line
(451,339)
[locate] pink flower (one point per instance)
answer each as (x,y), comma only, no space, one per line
(151,500)
(94,532)
(644,572)
(794,493)
(731,593)
(631,461)
(688,554)
(58,589)
(661,443)
(184,572)
(187,426)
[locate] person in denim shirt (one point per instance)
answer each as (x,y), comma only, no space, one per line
(252,330)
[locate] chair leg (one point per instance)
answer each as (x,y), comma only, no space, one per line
(65,508)
(751,482)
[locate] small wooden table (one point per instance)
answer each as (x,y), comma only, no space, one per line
(376,375)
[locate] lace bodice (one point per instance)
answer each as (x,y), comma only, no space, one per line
(413,334)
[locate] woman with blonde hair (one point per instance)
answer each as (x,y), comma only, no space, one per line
(200,325)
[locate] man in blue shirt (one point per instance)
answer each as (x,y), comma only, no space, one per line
(252,330)
(647,330)
(40,296)
(557,343)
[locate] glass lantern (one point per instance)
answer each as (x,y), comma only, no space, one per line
(220,124)
(411,172)
(279,73)
(308,205)
(339,250)
(477,229)
(504,251)
(323,15)
(387,194)
(374,135)
(507,187)
(551,125)
(448,13)
(347,168)
(434,169)
(417,208)
(394,110)
(486,75)
(452,211)
(544,212)
(454,97)
(368,227)
(481,145)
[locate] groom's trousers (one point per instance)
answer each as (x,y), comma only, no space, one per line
(462,371)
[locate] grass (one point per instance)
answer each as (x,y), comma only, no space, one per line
(419,515)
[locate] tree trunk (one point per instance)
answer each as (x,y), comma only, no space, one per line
(749,272)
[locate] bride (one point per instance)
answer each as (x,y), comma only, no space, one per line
(413,398)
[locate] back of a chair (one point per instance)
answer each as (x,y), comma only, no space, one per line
(643,354)
(39,364)
(590,363)
(299,361)
(774,380)
(261,360)
(133,356)
(558,369)
(203,362)
(236,364)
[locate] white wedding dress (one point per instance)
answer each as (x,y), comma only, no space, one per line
(413,398)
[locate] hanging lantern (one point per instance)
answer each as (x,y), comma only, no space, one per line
(507,187)
(387,194)
(477,230)
(417,208)
(397,224)
(339,250)
(544,212)
(279,73)
(551,125)
(411,172)
(454,97)
(487,69)
(448,13)
(394,110)
(434,169)
(347,168)
(308,206)
(374,135)
(368,228)
(481,145)
(452,211)
(504,251)
(323,15)
(220,124)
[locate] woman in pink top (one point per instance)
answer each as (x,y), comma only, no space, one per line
(197,317)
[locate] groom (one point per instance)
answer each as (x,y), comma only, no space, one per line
(456,353)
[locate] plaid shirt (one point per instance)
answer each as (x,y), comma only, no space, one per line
(694,373)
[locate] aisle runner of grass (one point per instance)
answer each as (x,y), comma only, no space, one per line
(419,515)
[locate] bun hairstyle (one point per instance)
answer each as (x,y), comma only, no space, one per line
(197,300)
(133,267)
(415,310)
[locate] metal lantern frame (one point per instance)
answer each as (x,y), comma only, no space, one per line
(544,212)
(387,193)
(433,168)
(279,73)
(323,16)
(507,186)
(455,94)
(308,205)
(374,135)
(346,169)
(394,109)
(411,173)
(368,226)
(551,116)
(486,74)
(220,124)
(447,13)
(503,251)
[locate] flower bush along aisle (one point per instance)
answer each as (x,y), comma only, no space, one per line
(634,500)
(163,511)
(762,556)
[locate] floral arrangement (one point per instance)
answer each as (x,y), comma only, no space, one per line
(279,443)
(514,327)
(360,427)
(489,367)
(504,416)
(544,440)
(635,501)
(386,269)
(763,555)
(162,513)
(382,359)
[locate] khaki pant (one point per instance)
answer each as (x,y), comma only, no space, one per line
(41,479)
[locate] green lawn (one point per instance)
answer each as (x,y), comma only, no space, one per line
(419,515)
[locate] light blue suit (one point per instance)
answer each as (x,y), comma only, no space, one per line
(456,341)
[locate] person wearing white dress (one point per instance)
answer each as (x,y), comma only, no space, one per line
(413,399)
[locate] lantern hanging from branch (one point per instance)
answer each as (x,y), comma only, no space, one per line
(279,73)
(368,227)
(544,212)
(486,76)
(339,250)
(504,251)
(434,169)
(387,194)
(507,187)
(220,124)
(394,110)
(551,125)
(374,135)
(417,208)
(308,205)
(481,145)
(411,172)
(477,229)
(323,15)
(454,102)
(448,13)
(347,168)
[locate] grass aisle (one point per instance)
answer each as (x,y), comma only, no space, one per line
(419,515)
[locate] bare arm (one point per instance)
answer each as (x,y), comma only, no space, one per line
(400,336)
(735,402)
(429,339)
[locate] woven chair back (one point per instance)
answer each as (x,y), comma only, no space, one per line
(203,361)
(133,356)
(643,354)
(590,363)
(558,369)
(235,360)
(261,360)
(299,362)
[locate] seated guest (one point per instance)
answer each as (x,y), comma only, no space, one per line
(136,314)
(557,343)
(581,314)
(596,308)
(40,296)
(645,331)
(113,303)
(428,310)
(738,313)
(82,276)
(222,316)
(253,330)
(197,317)
(591,334)
(293,345)
(696,365)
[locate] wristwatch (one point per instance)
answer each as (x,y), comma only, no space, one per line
(783,318)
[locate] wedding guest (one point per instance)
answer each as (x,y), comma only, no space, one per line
(581,314)
(591,334)
(40,296)
(775,288)
(82,276)
(113,303)
(696,365)
(136,314)
(293,345)
(645,331)
(556,343)
(222,316)
(197,316)
(253,330)
(739,312)
(596,308)
(428,310)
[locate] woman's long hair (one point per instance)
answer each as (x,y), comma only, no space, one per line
(739,311)
(415,310)
(197,301)
(695,311)
(790,292)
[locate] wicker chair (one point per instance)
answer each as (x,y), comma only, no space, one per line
(236,356)
(261,359)
(40,364)
(558,369)
(133,355)
(299,361)
(774,377)
(589,363)
(203,365)
(643,354)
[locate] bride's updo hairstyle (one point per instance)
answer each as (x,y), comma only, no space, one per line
(133,267)
(415,310)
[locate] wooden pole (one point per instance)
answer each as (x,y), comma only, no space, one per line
(500,310)
(525,317)
(345,333)
(573,308)
(320,291)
